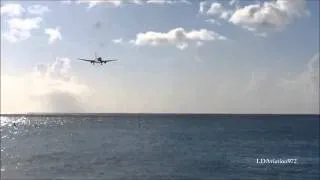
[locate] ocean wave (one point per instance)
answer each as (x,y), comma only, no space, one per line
(7,121)
(10,121)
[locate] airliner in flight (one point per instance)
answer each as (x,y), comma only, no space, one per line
(97,60)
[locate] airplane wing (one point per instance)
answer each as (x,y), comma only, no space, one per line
(89,60)
(109,60)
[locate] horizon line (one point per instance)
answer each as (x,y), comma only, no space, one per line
(152,113)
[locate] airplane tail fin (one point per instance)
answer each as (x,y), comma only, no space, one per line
(95,55)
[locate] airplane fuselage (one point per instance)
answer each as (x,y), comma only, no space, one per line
(98,60)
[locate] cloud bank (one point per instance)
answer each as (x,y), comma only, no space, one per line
(20,29)
(12,10)
(168,1)
(118,3)
(298,93)
(48,88)
(93,3)
(269,15)
(54,34)
(258,17)
(178,37)
(38,9)
(117,41)
(54,88)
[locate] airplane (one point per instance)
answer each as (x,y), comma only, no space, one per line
(97,60)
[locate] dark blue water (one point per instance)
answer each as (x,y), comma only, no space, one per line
(159,147)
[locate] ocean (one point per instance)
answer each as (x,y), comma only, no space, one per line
(160,146)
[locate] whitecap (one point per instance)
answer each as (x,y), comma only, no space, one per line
(9,121)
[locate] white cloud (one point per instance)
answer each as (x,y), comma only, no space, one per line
(199,43)
(68,2)
(259,17)
(168,1)
(49,88)
(269,15)
(216,9)
(20,29)
(118,3)
(93,3)
(139,2)
(12,9)
(54,34)
(203,6)
(295,94)
(25,24)
(54,88)
(234,2)
(226,14)
(178,37)
(307,80)
(15,35)
(38,9)
(117,41)
(213,21)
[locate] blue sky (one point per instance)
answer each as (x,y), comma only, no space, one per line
(231,64)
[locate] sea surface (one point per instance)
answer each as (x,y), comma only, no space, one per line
(154,146)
